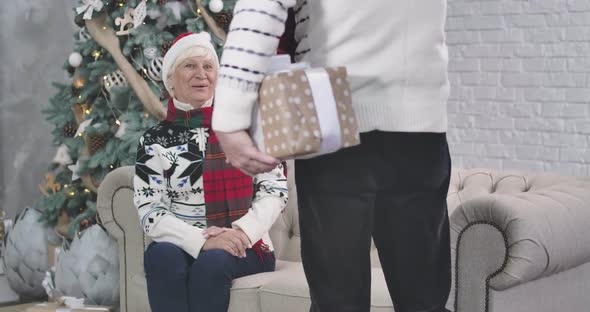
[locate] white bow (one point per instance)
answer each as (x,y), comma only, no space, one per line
(89,7)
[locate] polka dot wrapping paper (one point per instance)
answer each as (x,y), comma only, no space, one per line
(305,113)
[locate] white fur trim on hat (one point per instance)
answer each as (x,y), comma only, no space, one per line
(202,39)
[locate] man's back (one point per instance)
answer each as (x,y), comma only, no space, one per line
(394,52)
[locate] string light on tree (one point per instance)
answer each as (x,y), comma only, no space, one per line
(96,54)
(78,83)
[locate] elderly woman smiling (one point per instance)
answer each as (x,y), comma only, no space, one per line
(208,221)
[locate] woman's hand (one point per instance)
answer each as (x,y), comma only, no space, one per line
(213,231)
(233,241)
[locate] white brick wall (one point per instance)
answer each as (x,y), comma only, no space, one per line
(520,76)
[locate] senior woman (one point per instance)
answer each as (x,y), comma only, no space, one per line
(208,221)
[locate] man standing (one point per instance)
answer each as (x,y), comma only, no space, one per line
(393,186)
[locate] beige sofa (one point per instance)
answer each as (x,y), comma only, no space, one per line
(519,243)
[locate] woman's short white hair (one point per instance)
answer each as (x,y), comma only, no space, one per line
(192,52)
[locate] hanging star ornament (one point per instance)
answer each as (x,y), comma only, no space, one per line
(62,156)
(74,170)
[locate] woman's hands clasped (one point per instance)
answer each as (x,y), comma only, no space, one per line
(233,241)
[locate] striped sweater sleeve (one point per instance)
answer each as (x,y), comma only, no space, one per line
(253,38)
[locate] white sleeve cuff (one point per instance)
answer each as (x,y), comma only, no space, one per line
(260,218)
(233,108)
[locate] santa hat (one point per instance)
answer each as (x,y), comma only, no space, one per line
(181,44)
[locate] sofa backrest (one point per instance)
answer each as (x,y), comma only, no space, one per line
(467,184)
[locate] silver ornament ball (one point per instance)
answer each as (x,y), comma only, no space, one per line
(113,79)
(75,59)
(216,6)
(155,69)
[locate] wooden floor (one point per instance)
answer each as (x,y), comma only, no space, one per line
(16,308)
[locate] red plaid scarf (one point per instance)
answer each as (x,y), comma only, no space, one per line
(228,191)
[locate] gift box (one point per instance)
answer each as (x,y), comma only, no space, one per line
(56,307)
(304,113)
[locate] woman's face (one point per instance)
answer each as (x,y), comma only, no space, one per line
(194,80)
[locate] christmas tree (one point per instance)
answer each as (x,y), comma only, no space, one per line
(116,93)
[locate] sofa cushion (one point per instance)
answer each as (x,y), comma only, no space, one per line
(287,290)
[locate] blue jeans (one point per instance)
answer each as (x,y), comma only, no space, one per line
(178,282)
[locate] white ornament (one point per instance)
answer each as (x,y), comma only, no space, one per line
(83,35)
(75,59)
(114,79)
(155,69)
(150,53)
(122,130)
(83,126)
(62,156)
(74,170)
(89,6)
(132,16)
(216,6)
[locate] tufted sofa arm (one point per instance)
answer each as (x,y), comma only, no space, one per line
(119,216)
(514,228)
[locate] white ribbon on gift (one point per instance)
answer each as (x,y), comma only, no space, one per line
(325,105)
(89,6)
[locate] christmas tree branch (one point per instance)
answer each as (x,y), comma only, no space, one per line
(106,38)
(215,29)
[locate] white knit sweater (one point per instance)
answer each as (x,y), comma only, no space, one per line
(394,51)
(173,209)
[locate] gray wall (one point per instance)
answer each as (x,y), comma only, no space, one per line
(35,40)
